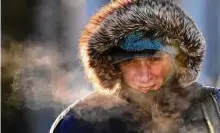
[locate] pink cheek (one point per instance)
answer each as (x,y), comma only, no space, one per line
(156,71)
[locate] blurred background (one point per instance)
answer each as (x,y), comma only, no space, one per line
(40,71)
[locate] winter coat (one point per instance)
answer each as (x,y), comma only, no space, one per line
(98,113)
(181,106)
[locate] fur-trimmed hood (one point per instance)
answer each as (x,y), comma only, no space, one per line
(164,18)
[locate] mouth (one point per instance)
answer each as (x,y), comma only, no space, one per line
(145,89)
(150,85)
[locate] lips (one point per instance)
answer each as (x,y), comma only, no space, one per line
(145,89)
(148,84)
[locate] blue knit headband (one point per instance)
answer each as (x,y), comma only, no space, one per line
(138,42)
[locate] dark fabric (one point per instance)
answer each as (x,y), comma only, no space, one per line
(121,55)
(211,112)
(123,119)
(119,123)
(70,124)
(218,94)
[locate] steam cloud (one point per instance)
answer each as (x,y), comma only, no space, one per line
(41,78)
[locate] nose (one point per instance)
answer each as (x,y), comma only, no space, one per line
(144,73)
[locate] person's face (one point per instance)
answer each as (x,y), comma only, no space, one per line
(147,73)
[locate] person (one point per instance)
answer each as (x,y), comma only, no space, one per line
(143,58)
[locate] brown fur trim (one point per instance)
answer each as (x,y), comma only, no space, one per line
(118,19)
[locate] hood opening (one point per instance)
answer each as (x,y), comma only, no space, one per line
(160,18)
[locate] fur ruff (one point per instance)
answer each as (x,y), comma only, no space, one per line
(163,18)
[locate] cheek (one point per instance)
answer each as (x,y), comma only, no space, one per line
(160,71)
(156,70)
(129,75)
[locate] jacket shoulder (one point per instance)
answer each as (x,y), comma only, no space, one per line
(211,109)
(79,116)
(213,91)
